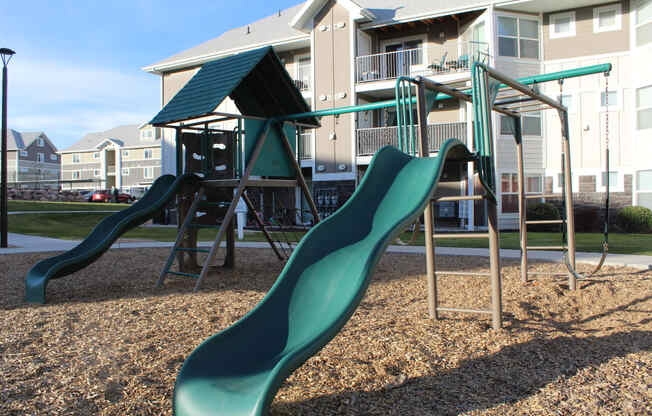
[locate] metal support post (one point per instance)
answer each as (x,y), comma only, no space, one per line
(568,194)
(4,223)
(494,262)
(427,214)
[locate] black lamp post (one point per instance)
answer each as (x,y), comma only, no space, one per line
(4,224)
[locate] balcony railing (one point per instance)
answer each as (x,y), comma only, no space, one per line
(305,146)
(303,80)
(430,60)
(369,140)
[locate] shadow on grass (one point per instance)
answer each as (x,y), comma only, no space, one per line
(512,374)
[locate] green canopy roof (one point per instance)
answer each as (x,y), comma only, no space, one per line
(256,80)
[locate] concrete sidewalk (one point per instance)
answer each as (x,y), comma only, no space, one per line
(32,244)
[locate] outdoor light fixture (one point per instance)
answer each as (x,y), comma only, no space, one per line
(6,55)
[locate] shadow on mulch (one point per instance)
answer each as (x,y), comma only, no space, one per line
(540,323)
(515,373)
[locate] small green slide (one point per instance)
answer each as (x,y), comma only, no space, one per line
(103,235)
(238,371)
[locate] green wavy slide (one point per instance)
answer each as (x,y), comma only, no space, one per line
(103,236)
(238,371)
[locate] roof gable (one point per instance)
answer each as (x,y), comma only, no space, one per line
(256,80)
(127,135)
(22,140)
(310,8)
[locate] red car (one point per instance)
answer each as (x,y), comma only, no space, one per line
(107,196)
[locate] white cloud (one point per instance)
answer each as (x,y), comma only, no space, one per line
(67,101)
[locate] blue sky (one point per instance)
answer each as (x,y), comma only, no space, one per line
(77,67)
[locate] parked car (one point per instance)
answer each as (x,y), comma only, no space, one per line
(107,196)
(86,195)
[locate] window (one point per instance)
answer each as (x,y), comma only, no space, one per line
(607,18)
(53,157)
(613,99)
(75,158)
(562,25)
(532,124)
(644,108)
(148,172)
(148,153)
(76,174)
(518,37)
(125,154)
(644,188)
(96,173)
(125,171)
(24,153)
(643,22)
(509,192)
(304,73)
(534,184)
(400,55)
(96,155)
(41,142)
(613,179)
(506,126)
(40,157)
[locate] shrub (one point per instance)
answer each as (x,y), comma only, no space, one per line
(543,211)
(589,219)
(635,219)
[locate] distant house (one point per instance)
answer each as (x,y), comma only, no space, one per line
(125,157)
(32,160)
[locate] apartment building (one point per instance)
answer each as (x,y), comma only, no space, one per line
(342,52)
(125,157)
(32,160)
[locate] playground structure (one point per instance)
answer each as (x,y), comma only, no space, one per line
(239,370)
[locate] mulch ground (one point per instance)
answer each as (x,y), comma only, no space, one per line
(109,343)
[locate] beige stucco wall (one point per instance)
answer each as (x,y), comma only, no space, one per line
(333,88)
(174,81)
(448,113)
(585,42)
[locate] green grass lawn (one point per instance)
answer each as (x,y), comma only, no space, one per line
(77,226)
(63,206)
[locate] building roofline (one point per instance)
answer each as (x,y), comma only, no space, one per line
(429,15)
(202,59)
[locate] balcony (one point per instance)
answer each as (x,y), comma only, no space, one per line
(426,61)
(369,140)
(305,146)
(303,79)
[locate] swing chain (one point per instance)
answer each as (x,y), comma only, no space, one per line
(606,116)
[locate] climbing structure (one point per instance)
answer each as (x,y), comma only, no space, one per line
(259,152)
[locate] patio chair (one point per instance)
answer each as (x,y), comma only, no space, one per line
(441,66)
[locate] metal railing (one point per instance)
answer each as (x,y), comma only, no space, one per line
(429,60)
(304,78)
(305,146)
(369,140)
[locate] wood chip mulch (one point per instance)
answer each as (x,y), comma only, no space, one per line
(108,343)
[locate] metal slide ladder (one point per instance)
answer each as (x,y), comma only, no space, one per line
(496,301)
